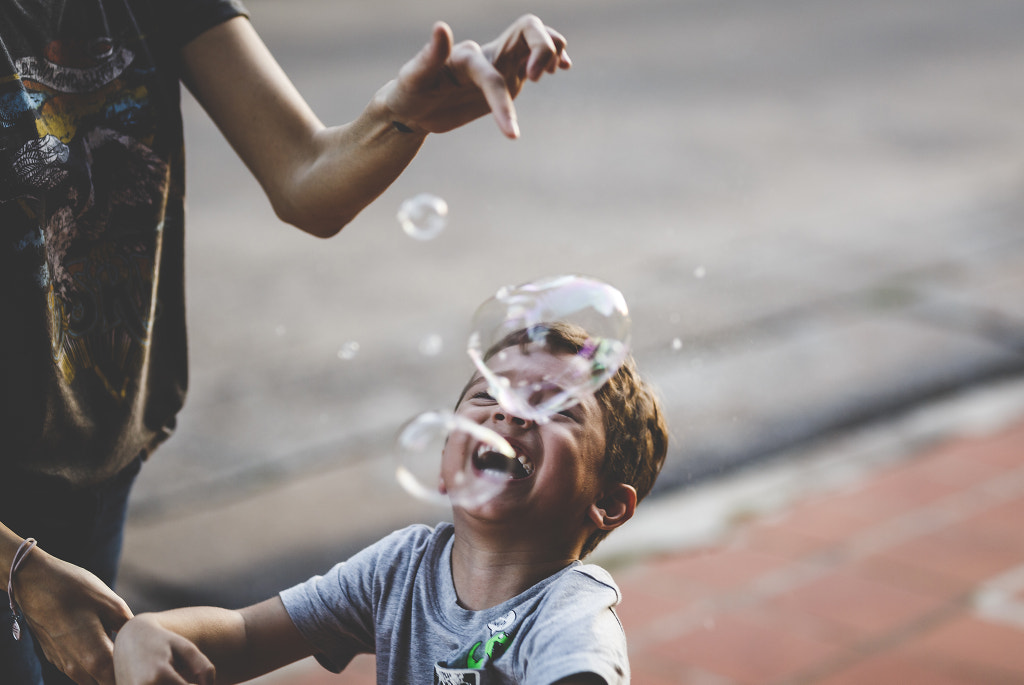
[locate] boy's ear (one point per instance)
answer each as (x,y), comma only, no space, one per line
(614,507)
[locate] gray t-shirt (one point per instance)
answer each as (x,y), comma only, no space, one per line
(397,599)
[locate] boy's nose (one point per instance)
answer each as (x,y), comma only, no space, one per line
(510,418)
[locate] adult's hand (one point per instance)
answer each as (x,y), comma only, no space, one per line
(449,84)
(71,613)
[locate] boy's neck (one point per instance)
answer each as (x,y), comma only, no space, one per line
(486,573)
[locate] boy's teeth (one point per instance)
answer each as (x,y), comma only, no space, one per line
(526,463)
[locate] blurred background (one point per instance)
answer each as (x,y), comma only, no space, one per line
(813,209)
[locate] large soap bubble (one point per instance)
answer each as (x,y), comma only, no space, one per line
(447,459)
(525,316)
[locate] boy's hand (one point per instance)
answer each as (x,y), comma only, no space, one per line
(146,653)
(71,613)
(447,85)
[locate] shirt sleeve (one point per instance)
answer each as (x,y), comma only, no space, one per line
(578,631)
(336,612)
(184,20)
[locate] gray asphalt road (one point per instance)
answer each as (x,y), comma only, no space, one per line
(814,210)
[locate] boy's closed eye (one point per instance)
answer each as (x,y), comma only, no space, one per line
(485,397)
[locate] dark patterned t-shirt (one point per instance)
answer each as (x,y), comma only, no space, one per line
(92,322)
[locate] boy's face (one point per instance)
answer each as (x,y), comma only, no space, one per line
(558,475)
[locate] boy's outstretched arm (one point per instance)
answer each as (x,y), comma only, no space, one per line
(319,178)
(207,645)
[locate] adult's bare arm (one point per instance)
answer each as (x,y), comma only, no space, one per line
(318,177)
(70,611)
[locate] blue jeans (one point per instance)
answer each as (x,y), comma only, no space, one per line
(84,527)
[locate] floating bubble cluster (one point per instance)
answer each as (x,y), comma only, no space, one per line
(423,216)
(444,458)
(523,317)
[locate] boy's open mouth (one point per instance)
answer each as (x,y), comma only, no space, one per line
(486,459)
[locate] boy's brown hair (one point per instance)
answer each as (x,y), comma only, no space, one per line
(636,434)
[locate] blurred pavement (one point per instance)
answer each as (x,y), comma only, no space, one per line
(814,211)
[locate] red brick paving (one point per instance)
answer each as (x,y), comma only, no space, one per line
(874,585)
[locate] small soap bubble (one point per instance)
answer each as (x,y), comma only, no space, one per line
(423,216)
(700,272)
(348,350)
(446,459)
(431,345)
(677,344)
(526,318)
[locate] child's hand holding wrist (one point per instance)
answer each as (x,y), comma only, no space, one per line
(146,653)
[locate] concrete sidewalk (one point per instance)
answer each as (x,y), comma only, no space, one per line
(893,555)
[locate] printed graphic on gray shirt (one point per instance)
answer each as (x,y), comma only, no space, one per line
(468,668)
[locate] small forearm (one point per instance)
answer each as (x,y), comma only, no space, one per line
(240,644)
(178,640)
(216,631)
